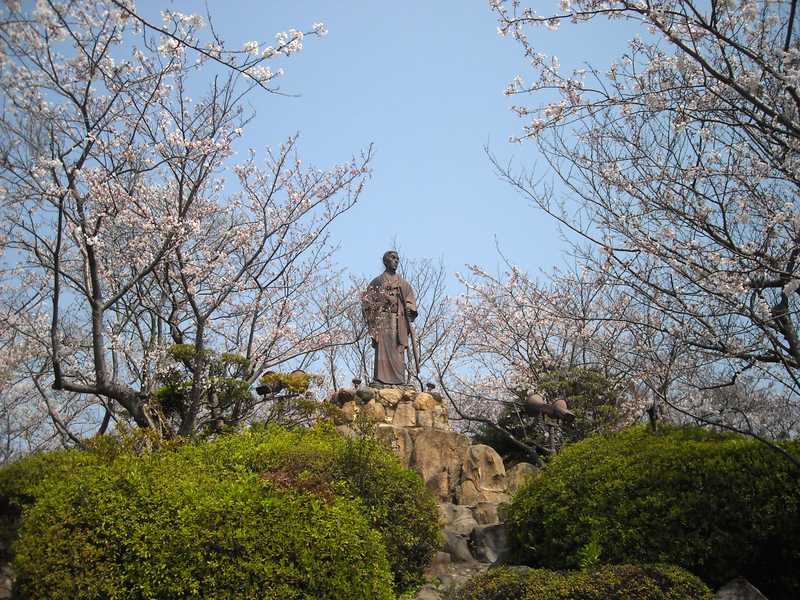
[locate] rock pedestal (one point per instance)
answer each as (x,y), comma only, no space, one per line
(739,589)
(469,480)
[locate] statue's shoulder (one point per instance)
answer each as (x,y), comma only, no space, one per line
(377,281)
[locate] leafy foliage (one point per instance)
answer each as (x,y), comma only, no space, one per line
(225,383)
(398,505)
(20,480)
(717,505)
(297,382)
(593,397)
(265,513)
(642,582)
(395,500)
(161,529)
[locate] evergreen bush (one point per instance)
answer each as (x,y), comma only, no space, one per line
(395,500)
(20,480)
(716,504)
(639,582)
(593,398)
(163,527)
(242,501)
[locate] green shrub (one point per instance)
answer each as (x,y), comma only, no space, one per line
(21,480)
(163,527)
(395,500)
(398,505)
(319,463)
(717,505)
(639,582)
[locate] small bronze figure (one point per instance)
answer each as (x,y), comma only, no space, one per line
(389,307)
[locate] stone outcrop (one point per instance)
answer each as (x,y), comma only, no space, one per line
(739,589)
(458,519)
(489,543)
(518,475)
(392,406)
(483,477)
(469,480)
(398,439)
(438,457)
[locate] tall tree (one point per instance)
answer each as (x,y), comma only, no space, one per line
(679,166)
(127,225)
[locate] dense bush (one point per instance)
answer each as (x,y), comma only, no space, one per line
(22,481)
(295,514)
(717,505)
(642,582)
(395,500)
(160,529)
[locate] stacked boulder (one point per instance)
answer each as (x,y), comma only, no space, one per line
(391,406)
(469,480)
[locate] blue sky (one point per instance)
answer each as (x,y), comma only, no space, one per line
(423,81)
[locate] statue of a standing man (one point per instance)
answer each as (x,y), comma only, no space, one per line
(389,307)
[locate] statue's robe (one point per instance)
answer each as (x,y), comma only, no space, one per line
(384,303)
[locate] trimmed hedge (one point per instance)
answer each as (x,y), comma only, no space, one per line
(642,582)
(266,513)
(395,500)
(717,505)
(157,529)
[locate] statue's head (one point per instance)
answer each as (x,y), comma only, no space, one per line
(390,260)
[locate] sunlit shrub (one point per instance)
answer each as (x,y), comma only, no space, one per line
(717,505)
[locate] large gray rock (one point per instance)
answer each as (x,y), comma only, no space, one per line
(467,493)
(485,513)
(438,457)
(428,592)
(6,581)
(519,475)
(439,565)
(457,518)
(457,546)
(739,589)
(489,543)
(483,476)
(398,439)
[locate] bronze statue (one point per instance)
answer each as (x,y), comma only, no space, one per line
(389,308)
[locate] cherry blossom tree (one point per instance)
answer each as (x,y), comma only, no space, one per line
(130,228)
(677,169)
(518,336)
